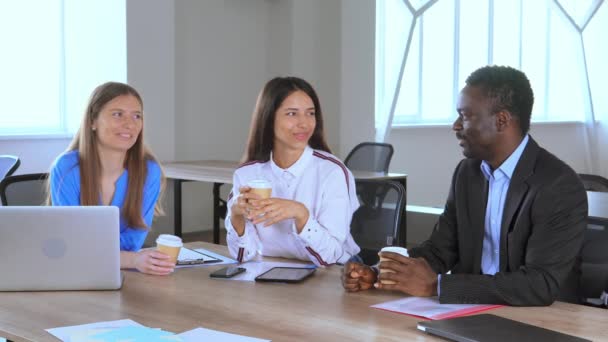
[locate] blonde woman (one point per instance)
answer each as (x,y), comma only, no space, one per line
(107,163)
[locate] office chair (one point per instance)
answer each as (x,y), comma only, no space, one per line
(376,223)
(370,156)
(594,263)
(8,165)
(26,189)
(594,182)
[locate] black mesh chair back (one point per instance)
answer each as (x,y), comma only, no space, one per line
(376,223)
(594,261)
(8,165)
(594,182)
(370,156)
(26,189)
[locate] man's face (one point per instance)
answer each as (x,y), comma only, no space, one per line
(475,126)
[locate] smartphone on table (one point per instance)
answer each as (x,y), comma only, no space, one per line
(227,272)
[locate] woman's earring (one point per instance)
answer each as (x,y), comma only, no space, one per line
(93,128)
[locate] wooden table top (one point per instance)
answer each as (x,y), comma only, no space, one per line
(317,309)
(221,171)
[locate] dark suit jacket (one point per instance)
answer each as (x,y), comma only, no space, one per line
(542,230)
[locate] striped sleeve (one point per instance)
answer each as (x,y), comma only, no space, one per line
(324,236)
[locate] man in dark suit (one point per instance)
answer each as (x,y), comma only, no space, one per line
(514,219)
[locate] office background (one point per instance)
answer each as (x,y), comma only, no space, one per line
(200,65)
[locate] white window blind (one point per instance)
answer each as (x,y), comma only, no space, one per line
(54,53)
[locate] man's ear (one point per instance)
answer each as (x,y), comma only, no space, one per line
(503,120)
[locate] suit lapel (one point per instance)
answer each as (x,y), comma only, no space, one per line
(518,188)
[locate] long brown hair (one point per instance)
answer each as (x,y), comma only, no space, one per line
(261,133)
(86,143)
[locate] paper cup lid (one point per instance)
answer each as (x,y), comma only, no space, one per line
(259,184)
(395,249)
(169,240)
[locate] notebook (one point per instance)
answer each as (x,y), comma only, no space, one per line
(488,327)
(59,248)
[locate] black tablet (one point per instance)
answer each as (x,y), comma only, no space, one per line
(285,274)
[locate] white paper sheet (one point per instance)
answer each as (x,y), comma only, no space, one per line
(224,260)
(430,307)
(202,334)
(255,268)
(64,333)
(87,332)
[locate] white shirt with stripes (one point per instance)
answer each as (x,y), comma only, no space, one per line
(325,186)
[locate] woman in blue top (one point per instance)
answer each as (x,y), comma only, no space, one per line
(107,163)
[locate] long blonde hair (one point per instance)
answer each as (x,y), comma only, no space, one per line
(86,143)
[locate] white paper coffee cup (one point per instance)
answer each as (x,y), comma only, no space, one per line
(170,245)
(261,187)
(394,249)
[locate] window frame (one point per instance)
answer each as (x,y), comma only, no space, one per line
(397,120)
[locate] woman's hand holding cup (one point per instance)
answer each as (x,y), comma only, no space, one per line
(242,207)
(257,189)
(246,203)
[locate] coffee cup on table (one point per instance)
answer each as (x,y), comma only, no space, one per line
(394,249)
(170,245)
(261,187)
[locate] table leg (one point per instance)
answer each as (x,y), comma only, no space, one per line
(403,225)
(216,212)
(177,207)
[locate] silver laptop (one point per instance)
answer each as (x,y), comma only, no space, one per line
(59,248)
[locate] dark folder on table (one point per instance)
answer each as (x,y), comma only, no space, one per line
(491,328)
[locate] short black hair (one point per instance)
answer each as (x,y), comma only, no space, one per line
(508,89)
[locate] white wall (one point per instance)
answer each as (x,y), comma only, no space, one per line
(357,73)
(316,57)
(224,53)
(429,155)
(603,144)
(221,53)
(151,70)
(36,155)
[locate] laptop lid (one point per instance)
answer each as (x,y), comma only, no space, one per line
(46,248)
(488,327)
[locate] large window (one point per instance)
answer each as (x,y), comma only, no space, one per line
(54,53)
(426,49)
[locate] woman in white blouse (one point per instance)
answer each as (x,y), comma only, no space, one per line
(313,194)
